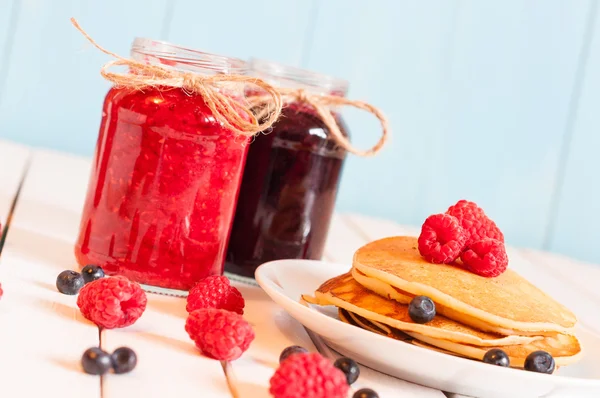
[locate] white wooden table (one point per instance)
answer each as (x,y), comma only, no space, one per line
(42,334)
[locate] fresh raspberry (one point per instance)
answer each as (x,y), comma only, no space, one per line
(215,292)
(486,257)
(442,239)
(308,375)
(475,222)
(219,334)
(114,302)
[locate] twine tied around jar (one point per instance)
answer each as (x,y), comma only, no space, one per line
(322,105)
(225,109)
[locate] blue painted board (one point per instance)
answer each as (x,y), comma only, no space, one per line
(271,29)
(7,10)
(53,92)
(576,230)
(477,93)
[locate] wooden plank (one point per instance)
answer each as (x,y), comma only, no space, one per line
(274,330)
(477,104)
(575,228)
(53,198)
(13,163)
(582,276)
(54,71)
(165,353)
(248,30)
(47,335)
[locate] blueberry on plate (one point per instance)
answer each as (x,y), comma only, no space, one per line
(123,360)
(69,282)
(540,361)
(349,367)
(421,309)
(365,393)
(91,273)
(497,357)
(291,350)
(95,361)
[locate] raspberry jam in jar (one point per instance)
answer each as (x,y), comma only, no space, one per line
(165,177)
(291,178)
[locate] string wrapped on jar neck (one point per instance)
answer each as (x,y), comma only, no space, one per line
(230,112)
(227,110)
(322,104)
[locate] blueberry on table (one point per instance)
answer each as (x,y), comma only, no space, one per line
(421,309)
(349,367)
(291,350)
(69,282)
(123,360)
(540,361)
(95,361)
(497,357)
(365,393)
(92,272)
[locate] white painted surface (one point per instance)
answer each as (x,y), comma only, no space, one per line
(43,334)
(169,365)
(13,161)
(39,246)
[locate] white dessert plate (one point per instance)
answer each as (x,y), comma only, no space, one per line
(286,280)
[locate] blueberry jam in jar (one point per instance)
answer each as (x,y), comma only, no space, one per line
(165,178)
(291,179)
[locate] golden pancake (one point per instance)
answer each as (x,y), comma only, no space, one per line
(351,318)
(506,304)
(344,292)
(565,349)
(375,327)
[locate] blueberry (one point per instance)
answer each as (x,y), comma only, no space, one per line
(91,273)
(69,282)
(294,349)
(421,309)
(497,357)
(95,361)
(540,361)
(349,367)
(123,360)
(365,393)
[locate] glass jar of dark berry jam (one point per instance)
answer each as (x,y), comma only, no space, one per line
(165,177)
(291,178)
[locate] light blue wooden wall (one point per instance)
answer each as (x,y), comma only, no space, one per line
(490,101)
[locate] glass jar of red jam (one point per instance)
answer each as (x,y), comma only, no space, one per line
(291,178)
(165,177)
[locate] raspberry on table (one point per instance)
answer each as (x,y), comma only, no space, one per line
(114,302)
(475,222)
(486,257)
(308,375)
(218,333)
(215,292)
(442,239)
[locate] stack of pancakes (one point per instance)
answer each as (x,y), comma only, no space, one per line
(473,313)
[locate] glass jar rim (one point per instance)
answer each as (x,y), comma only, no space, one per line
(304,77)
(179,57)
